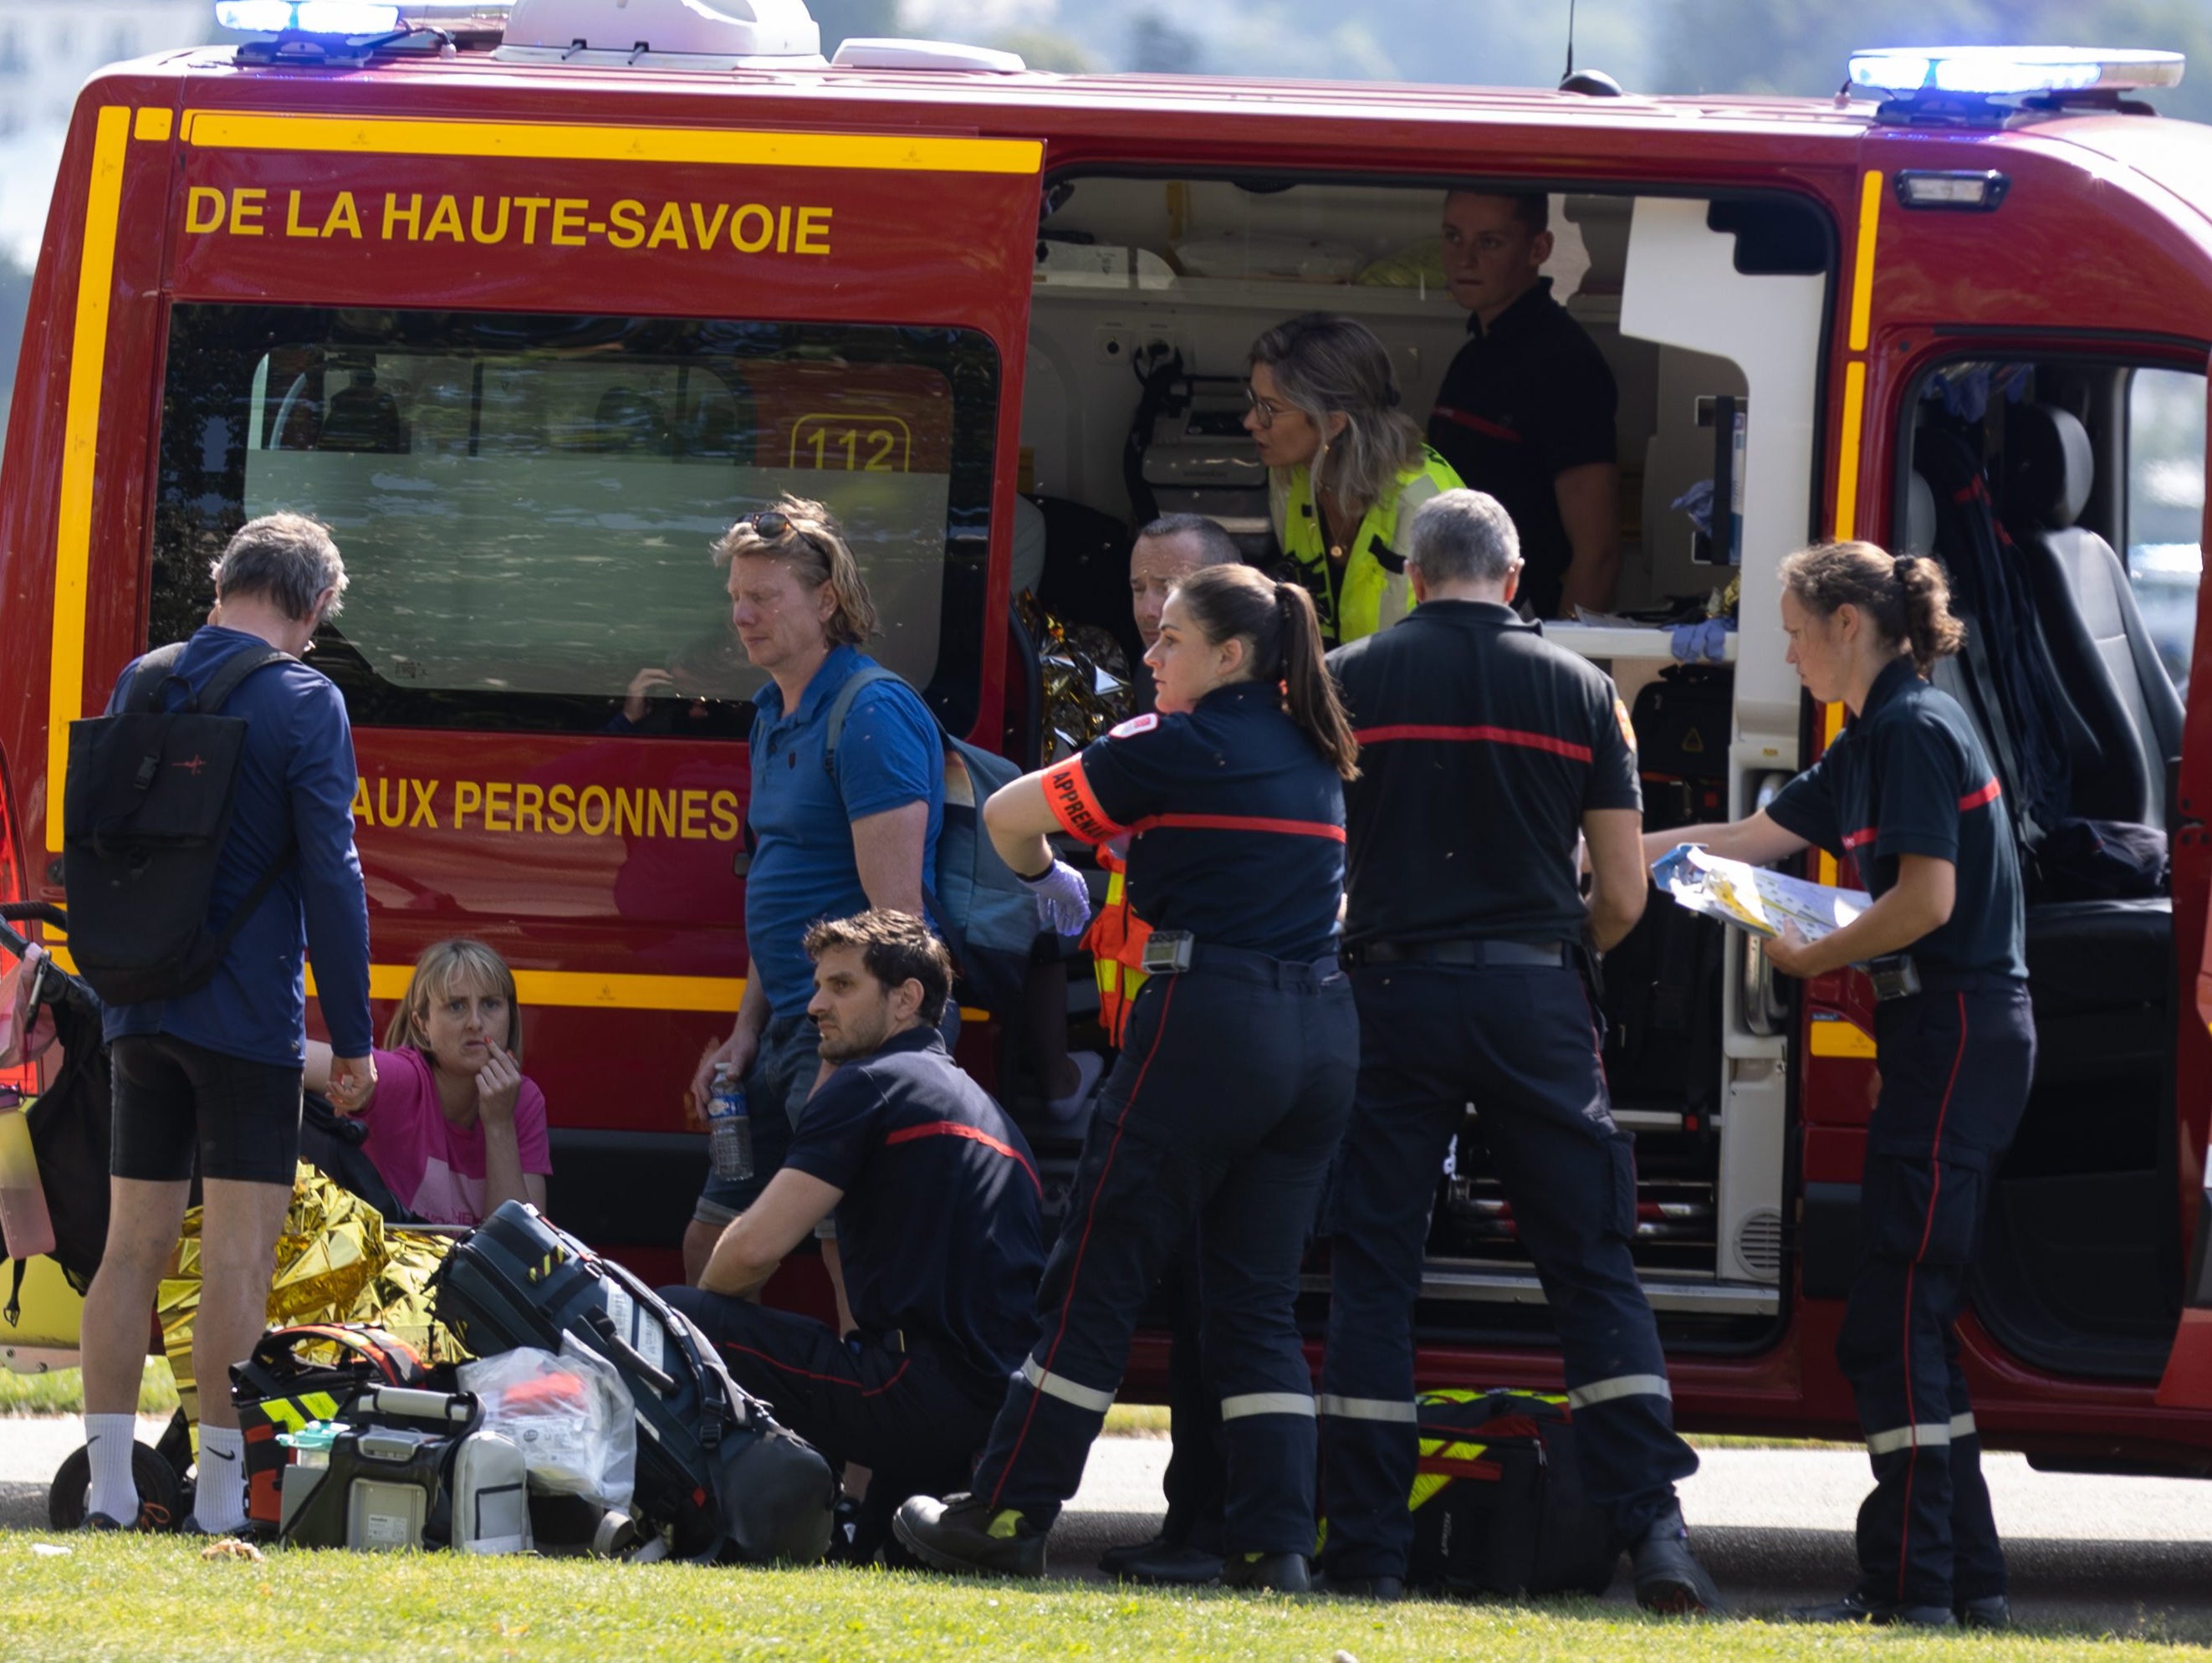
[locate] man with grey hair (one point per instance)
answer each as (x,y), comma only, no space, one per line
(1486,754)
(208,1082)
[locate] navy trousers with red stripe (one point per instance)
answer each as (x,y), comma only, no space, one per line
(1520,1043)
(1955,1066)
(914,1418)
(1232,1090)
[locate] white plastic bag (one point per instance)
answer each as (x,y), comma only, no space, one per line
(570,1415)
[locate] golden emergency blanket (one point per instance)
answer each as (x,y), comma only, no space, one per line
(337,1261)
(1085,677)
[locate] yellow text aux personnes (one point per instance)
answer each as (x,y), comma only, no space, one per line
(749,228)
(558,811)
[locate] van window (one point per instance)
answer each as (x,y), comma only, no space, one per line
(526,504)
(2166,507)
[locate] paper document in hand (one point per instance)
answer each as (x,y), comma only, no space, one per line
(1753,897)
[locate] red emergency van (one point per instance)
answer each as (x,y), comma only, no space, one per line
(529,303)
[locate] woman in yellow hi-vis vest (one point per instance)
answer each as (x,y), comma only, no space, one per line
(1346,467)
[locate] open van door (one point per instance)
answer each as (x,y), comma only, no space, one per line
(2187,1382)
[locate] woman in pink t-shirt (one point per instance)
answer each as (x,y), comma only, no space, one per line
(454,1127)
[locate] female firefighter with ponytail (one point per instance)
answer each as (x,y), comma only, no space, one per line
(1906,791)
(1235,1080)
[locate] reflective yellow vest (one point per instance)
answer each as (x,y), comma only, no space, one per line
(1370,591)
(1117,940)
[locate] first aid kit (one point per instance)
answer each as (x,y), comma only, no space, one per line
(715,1475)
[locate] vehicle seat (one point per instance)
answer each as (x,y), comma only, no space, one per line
(2104,657)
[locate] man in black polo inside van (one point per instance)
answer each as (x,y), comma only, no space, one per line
(1526,411)
(935,1196)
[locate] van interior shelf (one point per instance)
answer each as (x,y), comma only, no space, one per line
(1622,643)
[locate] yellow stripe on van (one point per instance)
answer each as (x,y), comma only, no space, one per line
(1847,450)
(1862,271)
(549,141)
(95,286)
(571,988)
(1836,1036)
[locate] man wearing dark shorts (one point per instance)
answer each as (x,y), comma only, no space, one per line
(935,1196)
(211,1079)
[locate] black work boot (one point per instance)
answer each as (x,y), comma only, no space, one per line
(1991,1611)
(1669,1578)
(1857,1607)
(962,1534)
(1272,1572)
(1381,1588)
(1168,1564)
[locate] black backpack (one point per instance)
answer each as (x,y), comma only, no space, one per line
(143,823)
(1683,724)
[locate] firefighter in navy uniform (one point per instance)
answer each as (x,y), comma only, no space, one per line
(1487,751)
(1907,791)
(1234,1083)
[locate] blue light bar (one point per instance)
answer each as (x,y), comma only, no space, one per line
(2012,71)
(338,17)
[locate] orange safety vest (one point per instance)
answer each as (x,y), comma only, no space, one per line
(1117,940)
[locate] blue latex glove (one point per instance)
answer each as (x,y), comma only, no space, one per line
(1063,899)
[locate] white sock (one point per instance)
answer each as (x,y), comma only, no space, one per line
(221,1502)
(114,1491)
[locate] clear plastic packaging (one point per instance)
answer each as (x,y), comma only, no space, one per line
(24,1219)
(570,1415)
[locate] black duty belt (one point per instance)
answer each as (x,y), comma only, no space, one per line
(1170,951)
(1489,954)
(1900,976)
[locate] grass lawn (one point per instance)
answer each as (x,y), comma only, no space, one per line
(61,1390)
(157,1599)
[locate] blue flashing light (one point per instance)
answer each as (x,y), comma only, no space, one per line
(2011,71)
(337,17)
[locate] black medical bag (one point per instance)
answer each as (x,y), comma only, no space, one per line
(1683,724)
(712,1466)
(1498,1499)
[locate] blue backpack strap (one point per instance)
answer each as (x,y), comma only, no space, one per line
(841,707)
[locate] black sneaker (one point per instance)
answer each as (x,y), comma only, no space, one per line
(1669,1578)
(1991,1611)
(962,1534)
(1271,1573)
(152,1516)
(247,1532)
(1856,1607)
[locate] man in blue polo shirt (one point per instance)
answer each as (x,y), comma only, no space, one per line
(825,844)
(935,1198)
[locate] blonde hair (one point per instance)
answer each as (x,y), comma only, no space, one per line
(1324,364)
(442,965)
(813,545)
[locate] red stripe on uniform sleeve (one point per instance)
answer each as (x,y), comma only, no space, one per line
(1467,419)
(975,1134)
(1067,793)
(1242,823)
(1988,794)
(1860,837)
(1415,730)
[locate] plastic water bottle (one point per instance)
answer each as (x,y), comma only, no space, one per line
(729,1126)
(24,1219)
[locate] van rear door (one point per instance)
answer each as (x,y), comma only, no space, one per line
(528,366)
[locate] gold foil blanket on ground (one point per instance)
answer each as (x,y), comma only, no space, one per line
(337,1261)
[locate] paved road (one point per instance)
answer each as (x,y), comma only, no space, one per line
(2124,1555)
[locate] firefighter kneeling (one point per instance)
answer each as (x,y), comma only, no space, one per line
(1486,750)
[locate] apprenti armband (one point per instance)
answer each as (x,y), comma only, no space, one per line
(1073,804)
